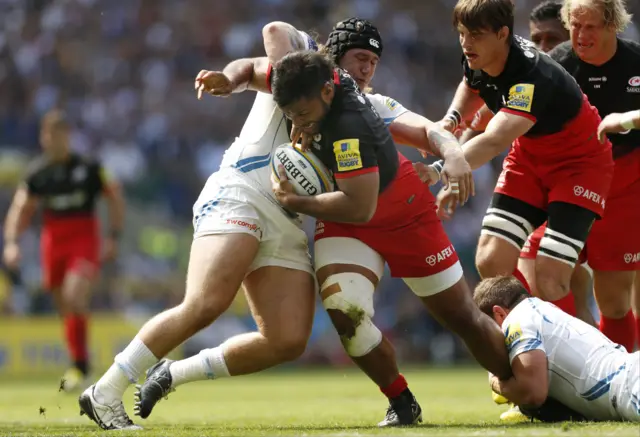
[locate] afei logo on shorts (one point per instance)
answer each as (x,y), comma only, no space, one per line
(347,154)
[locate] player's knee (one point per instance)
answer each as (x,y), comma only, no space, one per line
(495,257)
(348,299)
(551,285)
(200,313)
(614,293)
(291,345)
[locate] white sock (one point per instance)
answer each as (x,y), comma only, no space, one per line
(126,369)
(208,364)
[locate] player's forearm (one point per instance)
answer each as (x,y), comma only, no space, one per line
(443,143)
(519,392)
(482,149)
(630,120)
(465,102)
(279,39)
(510,389)
(243,75)
(335,207)
(468,135)
(16,223)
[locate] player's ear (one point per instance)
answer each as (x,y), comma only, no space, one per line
(327,92)
(503,33)
(499,314)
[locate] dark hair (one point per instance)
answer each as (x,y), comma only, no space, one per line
(484,14)
(548,10)
(299,75)
(505,291)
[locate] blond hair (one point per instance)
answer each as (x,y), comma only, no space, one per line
(614,12)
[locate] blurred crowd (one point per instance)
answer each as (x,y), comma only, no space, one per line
(124,69)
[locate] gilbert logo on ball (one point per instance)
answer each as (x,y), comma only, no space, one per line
(305,171)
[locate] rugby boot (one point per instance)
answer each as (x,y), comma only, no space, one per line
(514,415)
(156,386)
(498,399)
(403,410)
(108,417)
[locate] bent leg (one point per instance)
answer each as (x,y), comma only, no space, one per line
(455,309)
(581,286)
(213,280)
(613,294)
(505,229)
(282,303)
(564,238)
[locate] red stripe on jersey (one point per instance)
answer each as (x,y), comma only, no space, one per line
(269,70)
(520,113)
(354,173)
(336,77)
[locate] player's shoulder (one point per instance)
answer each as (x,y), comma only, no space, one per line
(563,53)
(387,107)
(380,100)
(630,48)
(37,166)
(84,160)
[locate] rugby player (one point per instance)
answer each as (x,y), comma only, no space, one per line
(68,187)
(235,213)
(556,356)
(556,170)
(356,46)
(606,68)
(362,156)
(546,31)
(380,200)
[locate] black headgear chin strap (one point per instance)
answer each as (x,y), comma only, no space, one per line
(354,33)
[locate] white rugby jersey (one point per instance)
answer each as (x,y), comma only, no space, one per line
(587,372)
(388,108)
(264,130)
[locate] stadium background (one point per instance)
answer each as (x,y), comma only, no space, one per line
(124,69)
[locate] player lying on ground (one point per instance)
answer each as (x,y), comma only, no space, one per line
(328,104)
(69,186)
(554,355)
(556,169)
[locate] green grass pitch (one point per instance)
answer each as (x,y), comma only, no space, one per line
(455,402)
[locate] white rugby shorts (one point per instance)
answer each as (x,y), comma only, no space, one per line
(229,203)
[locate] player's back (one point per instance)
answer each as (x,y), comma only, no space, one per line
(587,372)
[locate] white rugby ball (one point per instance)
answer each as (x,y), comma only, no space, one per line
(305,171)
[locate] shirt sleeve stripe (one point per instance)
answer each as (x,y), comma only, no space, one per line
(354,173)
(520,113)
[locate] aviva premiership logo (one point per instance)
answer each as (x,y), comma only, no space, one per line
(512,335)
(521,97)
(347,154)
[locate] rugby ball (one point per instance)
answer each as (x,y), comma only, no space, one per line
(305,171)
